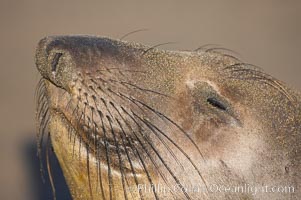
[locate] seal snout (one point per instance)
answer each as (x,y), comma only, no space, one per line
(60,59)
(54,62)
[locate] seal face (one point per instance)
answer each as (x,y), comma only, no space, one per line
(128,121)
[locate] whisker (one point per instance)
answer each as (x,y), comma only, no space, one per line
(128,156)
(49,167)
(158,155)
(119,157)
(162,116)
(179,148)
(143,89)
(155,46)
(160,139)
(42,128)
(99,174)
(123,70)
(111,186)
(140,158)
(132,32)
(204,47)
(220,49)
(253,74)
(88,171)
(39,90)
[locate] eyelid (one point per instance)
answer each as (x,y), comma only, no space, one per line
(216,103)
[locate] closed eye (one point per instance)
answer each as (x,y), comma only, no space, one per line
(216,103)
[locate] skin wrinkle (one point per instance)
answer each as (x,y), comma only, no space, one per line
(123,115)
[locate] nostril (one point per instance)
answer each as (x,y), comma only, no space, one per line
(55,62)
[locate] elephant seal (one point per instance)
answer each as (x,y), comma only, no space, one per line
(129,121)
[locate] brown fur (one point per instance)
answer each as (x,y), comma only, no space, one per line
(172,118)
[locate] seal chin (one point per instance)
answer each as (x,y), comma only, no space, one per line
(83,168)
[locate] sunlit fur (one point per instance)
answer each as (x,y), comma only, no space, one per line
(121,124)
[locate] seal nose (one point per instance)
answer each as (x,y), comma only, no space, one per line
(53,61)
(61,58)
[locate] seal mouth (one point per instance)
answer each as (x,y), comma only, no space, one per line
(102,146)
(95,140)
(106,143)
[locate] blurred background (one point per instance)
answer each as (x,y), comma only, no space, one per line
(264,33)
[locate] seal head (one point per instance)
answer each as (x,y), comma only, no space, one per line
(128,121)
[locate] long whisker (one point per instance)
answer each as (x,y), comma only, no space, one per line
(40,91)
(99,172)
(139,156)
(96,144)
(139,88)
(122,135)
(176,145)
(119,157)
(110,177)
(49,167)
(42,126)
(157,153)
(100,71)
(205,47)
(162,116)
(239,71)
(42,130)
(134,150)
(155,46)
(148,124)
(132,32)
(88,171)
